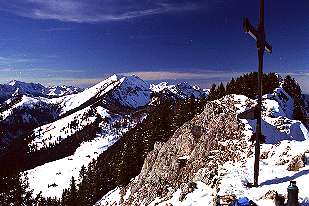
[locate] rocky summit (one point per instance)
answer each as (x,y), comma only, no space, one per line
(210,158)
(194,153)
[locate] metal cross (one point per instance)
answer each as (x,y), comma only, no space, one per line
(261,44)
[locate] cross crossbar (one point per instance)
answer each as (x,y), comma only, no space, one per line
(255,34)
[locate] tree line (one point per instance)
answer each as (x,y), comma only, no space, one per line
(247,85)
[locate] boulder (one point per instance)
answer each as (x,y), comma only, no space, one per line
(296,162)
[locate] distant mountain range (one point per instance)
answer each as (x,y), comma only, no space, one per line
(15,87)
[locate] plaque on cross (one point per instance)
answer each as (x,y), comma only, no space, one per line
(259,35)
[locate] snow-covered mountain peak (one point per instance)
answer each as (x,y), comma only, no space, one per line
(159,87)
(182,90)
(132,91)
(121,77)
(129,91)
(115,80)
(135,81)
(14,82)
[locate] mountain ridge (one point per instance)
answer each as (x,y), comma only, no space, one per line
(16,87)
(75,119)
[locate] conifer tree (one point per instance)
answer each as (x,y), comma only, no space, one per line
(230,87)
(221,90)
(73,193)
(293,89)
(212,92)
(82,173)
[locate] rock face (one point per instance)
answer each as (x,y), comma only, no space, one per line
(296,163)
(194,153)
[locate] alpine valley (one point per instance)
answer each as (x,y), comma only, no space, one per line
(124,141)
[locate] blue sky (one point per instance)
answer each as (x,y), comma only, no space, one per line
(81,42)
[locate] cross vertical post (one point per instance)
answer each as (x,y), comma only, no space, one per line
(261,44)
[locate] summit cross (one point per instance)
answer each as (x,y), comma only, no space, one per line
(259,35)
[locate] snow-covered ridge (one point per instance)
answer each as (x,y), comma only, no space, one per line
(129,91)
(115,93)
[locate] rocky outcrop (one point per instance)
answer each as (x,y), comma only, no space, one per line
(296,163)
(194,153)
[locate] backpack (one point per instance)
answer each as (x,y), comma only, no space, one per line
(243,201)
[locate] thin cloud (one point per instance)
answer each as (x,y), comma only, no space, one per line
(171,75)
(43,71)
(54,70)
(7,70)
(95,10)
(48,76)
(56,29)
(79,82)
(14,60)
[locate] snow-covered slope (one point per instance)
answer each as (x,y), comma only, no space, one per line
(51,178)
(128,91)
(55,132)
(77,112)
(287,143)
(23,102)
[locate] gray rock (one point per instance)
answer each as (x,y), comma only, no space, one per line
(165,169)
